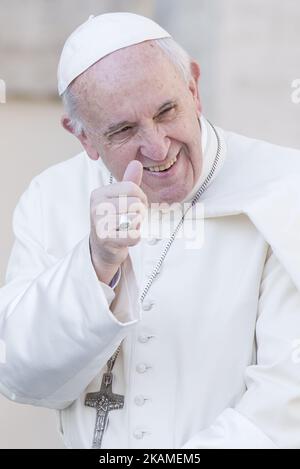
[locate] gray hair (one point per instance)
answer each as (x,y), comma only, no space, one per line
(177,55)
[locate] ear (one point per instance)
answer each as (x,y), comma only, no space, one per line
(82,137)
(194,84)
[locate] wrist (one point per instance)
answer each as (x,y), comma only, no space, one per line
(104,271)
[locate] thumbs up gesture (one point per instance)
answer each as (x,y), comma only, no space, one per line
(109,207)
(134,172)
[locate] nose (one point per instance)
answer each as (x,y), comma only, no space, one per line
(155,144)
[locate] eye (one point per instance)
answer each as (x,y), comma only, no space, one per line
(121,131)
(124,132)
(125,129)
(166,112)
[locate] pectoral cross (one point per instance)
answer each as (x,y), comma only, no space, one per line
(103,401)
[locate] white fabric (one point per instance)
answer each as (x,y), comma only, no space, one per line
(209,146)
(223,320)
(99,36)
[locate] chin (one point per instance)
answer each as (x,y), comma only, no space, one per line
(169,196)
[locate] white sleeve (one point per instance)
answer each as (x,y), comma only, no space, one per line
(268,414)
(58,326)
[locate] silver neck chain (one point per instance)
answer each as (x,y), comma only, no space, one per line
(195,199)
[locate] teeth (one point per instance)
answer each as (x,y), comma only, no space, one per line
(163,166)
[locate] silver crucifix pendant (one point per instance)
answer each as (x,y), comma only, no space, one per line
(103,401)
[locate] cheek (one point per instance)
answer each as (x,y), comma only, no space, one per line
(178,131)
(117,160)
(187,125)
(188,134)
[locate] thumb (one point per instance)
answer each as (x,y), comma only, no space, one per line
(134,172)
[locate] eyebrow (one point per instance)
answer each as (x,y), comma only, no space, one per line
(115,127)
(166,104)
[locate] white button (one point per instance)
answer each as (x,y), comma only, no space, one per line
(139,400)
(152,241)
(143,339)
(141,368)
(138,434)
(147,305)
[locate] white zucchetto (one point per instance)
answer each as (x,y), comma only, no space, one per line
(99,36)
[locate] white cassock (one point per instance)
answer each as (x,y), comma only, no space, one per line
(212,357)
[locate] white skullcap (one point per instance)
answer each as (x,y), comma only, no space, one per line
(99,36)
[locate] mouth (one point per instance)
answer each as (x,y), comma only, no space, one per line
(167,168)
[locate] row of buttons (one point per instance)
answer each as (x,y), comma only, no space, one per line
(140,400)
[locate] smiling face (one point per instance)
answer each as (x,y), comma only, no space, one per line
(135,104)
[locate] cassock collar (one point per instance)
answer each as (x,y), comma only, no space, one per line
(209,145)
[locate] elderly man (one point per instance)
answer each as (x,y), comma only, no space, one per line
(155,340)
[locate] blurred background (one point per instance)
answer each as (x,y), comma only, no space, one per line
(249,55)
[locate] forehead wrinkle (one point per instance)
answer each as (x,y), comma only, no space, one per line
(131,62)
(123,66)
(125,70)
